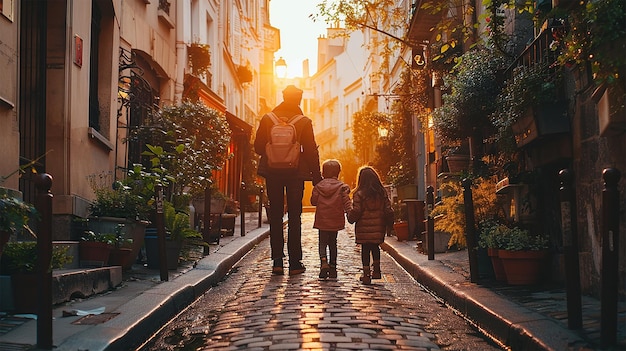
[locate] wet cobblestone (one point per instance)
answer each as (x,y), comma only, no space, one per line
(303,312)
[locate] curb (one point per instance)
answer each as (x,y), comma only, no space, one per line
(145,315)
(504,321)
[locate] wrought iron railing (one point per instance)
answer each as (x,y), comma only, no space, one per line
(165,6)
(544,49)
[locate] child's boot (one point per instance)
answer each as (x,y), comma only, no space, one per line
(325,268)
(333,271)
(376,270)
(366,278)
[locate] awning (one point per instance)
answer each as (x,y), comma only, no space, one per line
(208,97)
(237,125)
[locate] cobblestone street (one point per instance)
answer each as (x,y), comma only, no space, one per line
(253,310)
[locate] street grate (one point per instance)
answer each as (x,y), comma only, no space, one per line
(9,346)
(8,323)
(92,319)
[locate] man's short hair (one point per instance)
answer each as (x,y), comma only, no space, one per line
(331,168)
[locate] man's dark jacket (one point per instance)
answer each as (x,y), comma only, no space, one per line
(309,164)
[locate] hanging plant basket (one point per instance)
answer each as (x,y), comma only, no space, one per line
(244,73)
(458,163)
(199,58)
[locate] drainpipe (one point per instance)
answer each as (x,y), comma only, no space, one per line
(182,9)
(67,110)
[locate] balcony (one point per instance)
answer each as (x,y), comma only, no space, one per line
(326,136)
(539,51)
(164,13)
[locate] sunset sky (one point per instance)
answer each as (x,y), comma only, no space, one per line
(298,33)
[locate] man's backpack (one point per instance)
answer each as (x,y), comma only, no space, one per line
(283,146)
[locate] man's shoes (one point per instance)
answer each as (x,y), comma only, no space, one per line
(277,267)
(296,268)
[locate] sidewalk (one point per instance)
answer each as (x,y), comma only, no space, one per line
(523,318)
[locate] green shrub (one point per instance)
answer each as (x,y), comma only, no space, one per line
(22,257)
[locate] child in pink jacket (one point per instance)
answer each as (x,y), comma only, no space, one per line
(332,200)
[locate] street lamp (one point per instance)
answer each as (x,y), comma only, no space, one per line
(281,68)
(383,132)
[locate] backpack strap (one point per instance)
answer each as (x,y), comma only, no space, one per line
(274,118)
(295,119)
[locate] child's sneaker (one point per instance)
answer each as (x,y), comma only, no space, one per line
(376,274)
(333,272)
(325,270)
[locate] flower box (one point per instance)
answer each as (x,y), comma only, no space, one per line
(611,110)
(440,243)
(541,121)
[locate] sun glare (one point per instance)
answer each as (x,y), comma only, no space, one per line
(298,33)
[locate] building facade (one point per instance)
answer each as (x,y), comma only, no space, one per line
(80,75)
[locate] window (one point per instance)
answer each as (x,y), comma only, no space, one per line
(6,8)
(94,103)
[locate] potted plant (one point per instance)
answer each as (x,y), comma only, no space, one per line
(231,211)
(94,249)
(199,57)
(20,262)
(491,238)
(121,205)
(449,217)
(522,254)
(244,73)
(14,217)
(178,233)
(472,87)
(529,105)
(218,202)
(121,252)
(401,222)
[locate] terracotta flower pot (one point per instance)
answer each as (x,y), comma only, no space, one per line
(121,257)
(93,253)
(402,230)
(522,267)
(496,261)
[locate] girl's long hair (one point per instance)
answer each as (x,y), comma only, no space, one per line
(368,182)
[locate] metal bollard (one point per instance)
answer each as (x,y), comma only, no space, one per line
(160,225)
(260,207)
(430,222)
(470,229)
(570,250)
(43,204)
(610,258)
(242,211)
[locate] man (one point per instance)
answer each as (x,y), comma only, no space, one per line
(290,182)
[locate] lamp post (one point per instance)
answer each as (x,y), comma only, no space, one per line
(281,68)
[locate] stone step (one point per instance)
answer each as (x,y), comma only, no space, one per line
(68,284)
